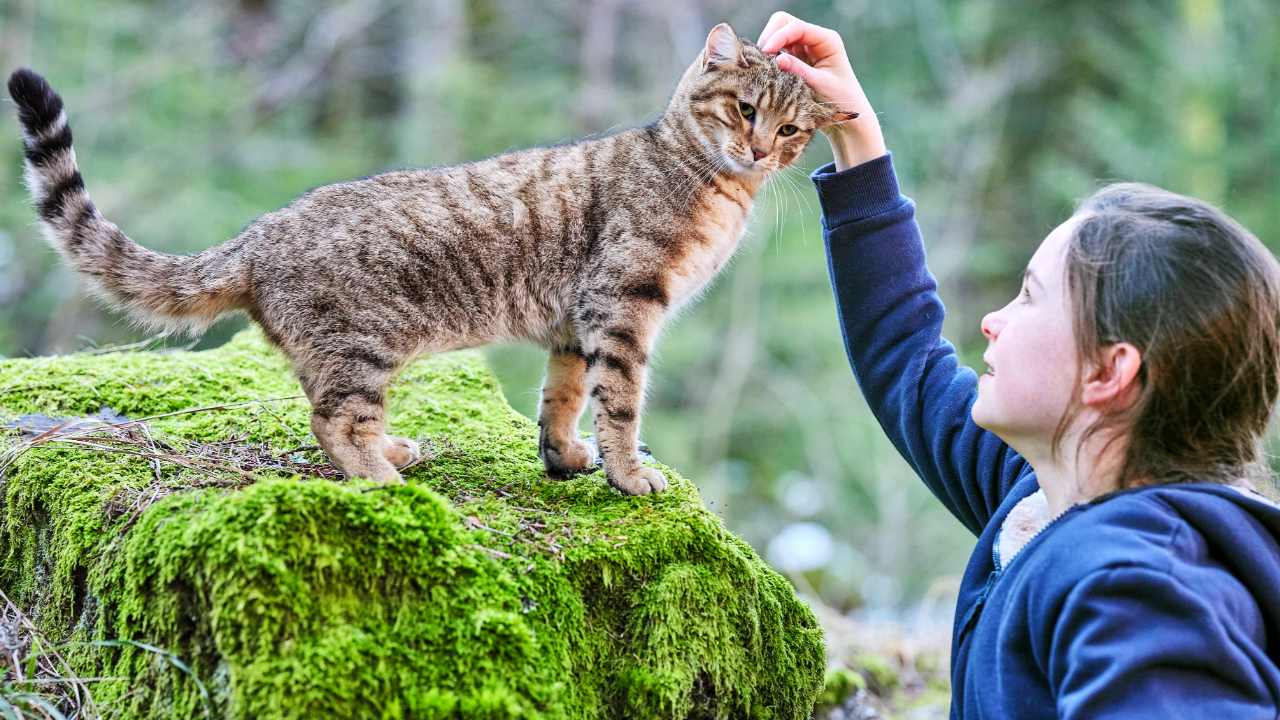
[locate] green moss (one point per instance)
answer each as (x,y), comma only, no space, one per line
(479,589)
(839,684)
(879,673)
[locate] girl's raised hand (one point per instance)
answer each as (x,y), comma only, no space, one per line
(816,55)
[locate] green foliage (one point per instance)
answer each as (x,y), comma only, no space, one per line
(839,684)
(479,589)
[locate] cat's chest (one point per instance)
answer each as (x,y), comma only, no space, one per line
(719,218)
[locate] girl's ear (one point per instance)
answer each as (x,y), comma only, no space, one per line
(1112,383)
(723,49)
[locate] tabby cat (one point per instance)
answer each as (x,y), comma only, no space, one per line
(584,248)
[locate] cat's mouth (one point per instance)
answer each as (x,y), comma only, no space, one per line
(746,165)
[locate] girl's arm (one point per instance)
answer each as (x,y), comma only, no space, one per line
(1138,642)
(887,301)
(891,319)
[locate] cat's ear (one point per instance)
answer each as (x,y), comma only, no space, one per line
(835,118)
(723,49)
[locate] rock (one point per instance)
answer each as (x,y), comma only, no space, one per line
(214,565)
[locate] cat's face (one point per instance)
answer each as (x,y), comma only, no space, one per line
(755,117)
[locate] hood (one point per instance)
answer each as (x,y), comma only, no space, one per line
(1242,531)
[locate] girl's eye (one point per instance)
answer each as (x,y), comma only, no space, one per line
(1026,293)
(747,111)
(788,130)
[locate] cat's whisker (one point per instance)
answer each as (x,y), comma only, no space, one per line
(809,203)
(703,171)
(802,199)
(699,176)
(779,209)
(773,202)
(710,170)
(801,203)
(792,192)
(778,200)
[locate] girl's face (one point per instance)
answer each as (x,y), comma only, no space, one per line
(1031,358)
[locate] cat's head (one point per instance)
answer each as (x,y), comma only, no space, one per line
(751,115)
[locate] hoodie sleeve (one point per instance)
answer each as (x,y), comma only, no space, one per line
(1134,643)
(891,318)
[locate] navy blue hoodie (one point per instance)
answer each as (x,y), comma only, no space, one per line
(1159,602)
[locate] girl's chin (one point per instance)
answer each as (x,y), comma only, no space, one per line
(979,413)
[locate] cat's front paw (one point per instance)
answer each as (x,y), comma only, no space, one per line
(565,460)
(639,480)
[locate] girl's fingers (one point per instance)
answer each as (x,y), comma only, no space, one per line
(797,67)
(776,20)
(798,51)
(820,43)
(833,90)
(790,32)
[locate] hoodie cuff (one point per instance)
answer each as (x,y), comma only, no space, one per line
(857,193)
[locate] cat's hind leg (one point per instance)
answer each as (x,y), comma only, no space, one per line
(352,436)
(564,395)
(344,381)
(349,418)
(401,451)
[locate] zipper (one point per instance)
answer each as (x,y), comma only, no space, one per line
(971,616)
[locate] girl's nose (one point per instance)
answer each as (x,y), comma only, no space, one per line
(991,326)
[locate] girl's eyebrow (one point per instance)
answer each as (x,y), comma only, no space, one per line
(1028,275)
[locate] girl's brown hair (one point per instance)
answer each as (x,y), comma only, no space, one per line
(1199,297)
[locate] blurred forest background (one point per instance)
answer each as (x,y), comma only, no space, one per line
(193,117)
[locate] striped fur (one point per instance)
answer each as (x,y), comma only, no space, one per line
(584,248)
(158,290)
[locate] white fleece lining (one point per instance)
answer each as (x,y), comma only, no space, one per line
(1031,515)
(1022,523)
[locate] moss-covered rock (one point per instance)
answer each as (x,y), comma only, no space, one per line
(478,589)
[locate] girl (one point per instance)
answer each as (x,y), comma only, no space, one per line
(1104,459)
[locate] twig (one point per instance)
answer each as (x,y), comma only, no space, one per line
(492,551)
(77,685)
(175,459)
(292,450)
(188,411)
(169,655)
(474,523)
(92,426)
(141,344)
(70,681)
(285,425)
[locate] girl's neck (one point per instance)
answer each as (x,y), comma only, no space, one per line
(1072,478)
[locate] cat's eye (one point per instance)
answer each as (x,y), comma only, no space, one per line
(788,130)
(748,112)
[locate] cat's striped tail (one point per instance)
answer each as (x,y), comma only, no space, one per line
(161,291)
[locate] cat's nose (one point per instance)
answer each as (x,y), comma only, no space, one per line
(757,154)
